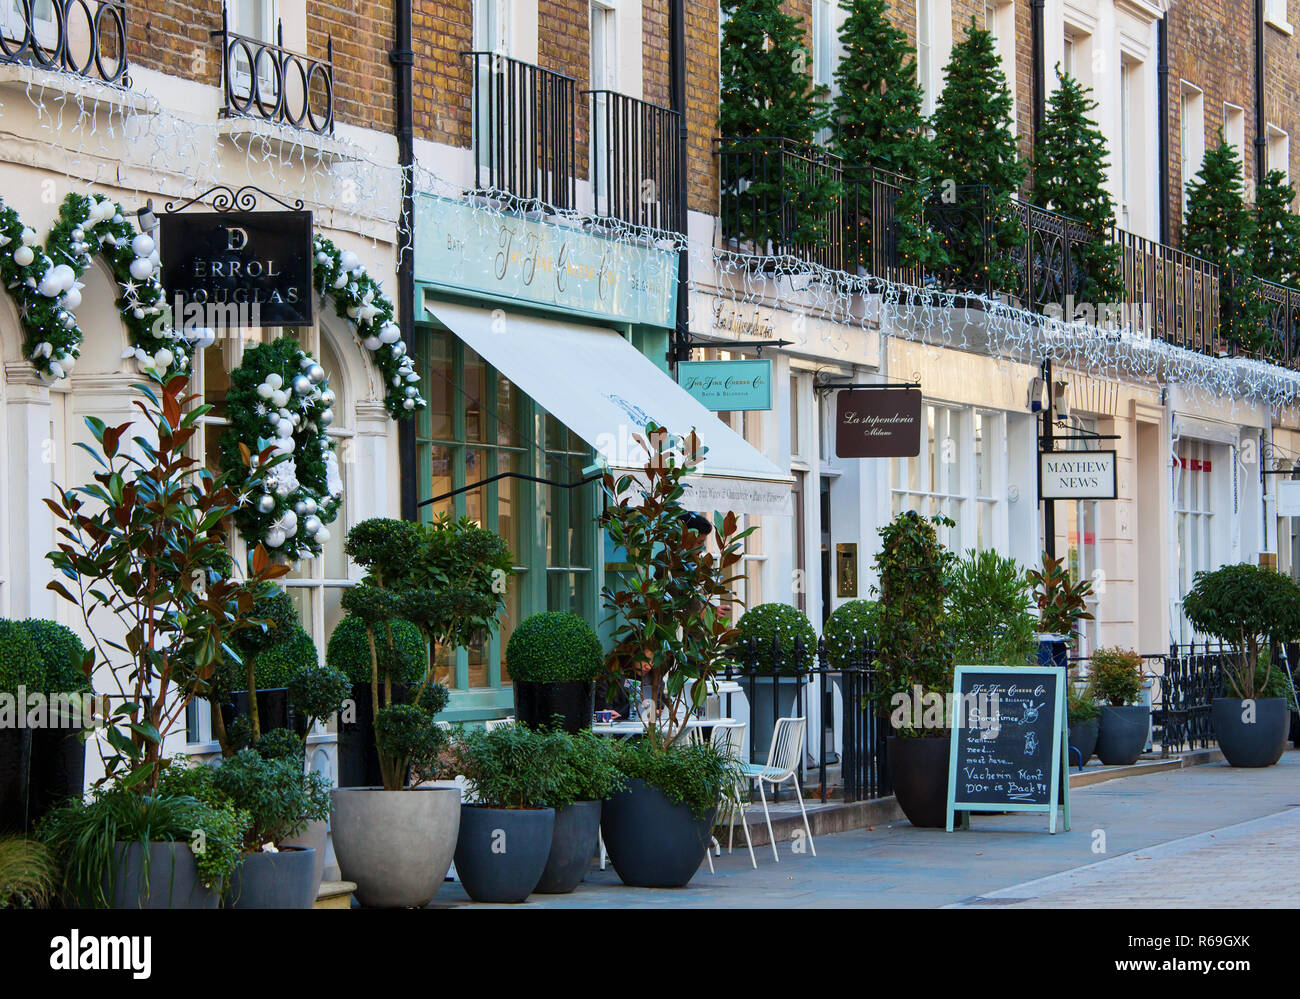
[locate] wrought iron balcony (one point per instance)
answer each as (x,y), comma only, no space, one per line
(1173,295)
(265,80)
(81,37)
(524,130)
(635,161)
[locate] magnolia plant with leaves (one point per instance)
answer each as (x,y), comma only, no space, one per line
(136,552)
(1061,601)
(670,608)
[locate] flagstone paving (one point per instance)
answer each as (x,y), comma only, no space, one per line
(1103,860)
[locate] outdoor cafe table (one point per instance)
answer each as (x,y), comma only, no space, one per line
(627,729)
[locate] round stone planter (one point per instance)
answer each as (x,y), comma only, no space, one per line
(283,880)
(1248,742)
(653,842)
(919,768)
(501,852)
(160,876)
(314,836)
(537,704)
(577,835)
(396,845)
(1083,737)
(1122,734)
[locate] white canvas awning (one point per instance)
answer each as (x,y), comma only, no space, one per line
(605,390)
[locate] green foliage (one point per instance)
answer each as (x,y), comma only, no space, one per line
(588,771)
(349,651)
(21,664)
(694,773)
(318,692)
(1080,705)
(27,873)
(82,835)
(775,638)
(63,655)
(1116,677)
(973,145)
(1247,607)
(384,547)
(275,667)
(1062,603)
(282,744)
(554,647)
(1070,166)
(1221,228)
(915,644)
(132,544)
(274,619)
(851,628)
(990,611)
(1277,231)
(666,609)
(408,740)
(279,797)
(514,766)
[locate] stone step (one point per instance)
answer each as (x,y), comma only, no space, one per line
(335,895)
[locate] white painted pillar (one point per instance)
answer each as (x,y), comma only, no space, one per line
(28,485)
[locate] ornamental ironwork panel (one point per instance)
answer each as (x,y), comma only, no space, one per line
(636,161)
(82,37)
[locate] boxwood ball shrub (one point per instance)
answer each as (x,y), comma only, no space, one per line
(20,659)
(317,692)
(275,667)
(62,655)
(349,651)
(278,619)
(554,647)
(769,636)
(848,627)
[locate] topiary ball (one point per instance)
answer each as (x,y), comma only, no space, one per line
(776,638)
(62,654)
(349,651)
(278,617)
(318,692)
(849,628)
(275,667)
(21,664)
(554,647)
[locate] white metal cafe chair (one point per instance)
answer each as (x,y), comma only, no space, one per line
(730,740)
(495,723)
(782,765)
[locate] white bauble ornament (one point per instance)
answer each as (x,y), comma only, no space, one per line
(288,522)
(266,504)
(29,237)
(326,417)
(279,398)
(274,538)
(301,384)
(300,508)
(163,359)
(143,245)
(341,280)
(78,235)
(316,373)
(265,391)
(327,397)
(274,380)
(390,334)
(141,268)
(50,286)
(323,258)
(408,403)
(284,428)
(24,255)
(65,275)
(72,298)
(311,525)
(322,535)
(56,369)
(309,505)
(371,343)
(349,260)
(284,445)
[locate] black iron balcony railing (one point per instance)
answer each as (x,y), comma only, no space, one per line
(635,161)
(82,37)
(1282,321)
(265,80)
(524,130)
(1170,295)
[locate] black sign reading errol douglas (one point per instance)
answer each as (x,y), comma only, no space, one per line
(878,423)
(257,262)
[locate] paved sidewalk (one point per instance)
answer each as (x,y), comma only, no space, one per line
(897,866)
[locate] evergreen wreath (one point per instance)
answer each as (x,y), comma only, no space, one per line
(280,398)
(45,282)
(358,298)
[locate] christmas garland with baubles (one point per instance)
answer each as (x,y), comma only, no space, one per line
(358,298)
(280,398)
(45,282)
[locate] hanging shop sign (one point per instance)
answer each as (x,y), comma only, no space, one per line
(1065,475)
(1288,498)
(468,249)
(242,269)
(878,423)
(1010,745)
(728,386)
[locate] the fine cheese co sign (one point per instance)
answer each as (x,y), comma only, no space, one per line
(1068,475)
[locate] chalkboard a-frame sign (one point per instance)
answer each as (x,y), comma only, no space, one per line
(1014,758)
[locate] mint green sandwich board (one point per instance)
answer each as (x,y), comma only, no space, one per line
(1010,742)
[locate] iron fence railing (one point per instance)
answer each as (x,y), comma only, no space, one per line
(1282,321)
(261,79)
(1170,295)
(524,130)
(801,674)
(82,37)
(635,161)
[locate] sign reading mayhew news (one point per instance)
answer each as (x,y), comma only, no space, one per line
(1068,475)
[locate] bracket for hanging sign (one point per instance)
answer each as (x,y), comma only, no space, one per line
(510,475)
(824,386)
(695,342)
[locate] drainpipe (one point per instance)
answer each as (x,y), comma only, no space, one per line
(1261,125)
(1162,86)
(402,59)
(677,100)
(1037,54)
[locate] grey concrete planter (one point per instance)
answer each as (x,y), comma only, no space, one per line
(1083,737)
(164,876)
(283,880)
(653,842)
(501,852)
(1122,734)
(396,845)
(314,836)
(577,834)
(1257,743)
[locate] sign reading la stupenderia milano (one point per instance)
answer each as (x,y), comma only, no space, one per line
(253,268)
(878,423)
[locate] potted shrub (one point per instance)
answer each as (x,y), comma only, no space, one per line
(587,775)
(1062,604)
(1116,683)
(1247,607)
(507,826)
(21,668)
(130,549)
(915,655)
(448,577)
(1084,715)
(260,701)
(990,611)
(777,646)
(672,635)
(554,658)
